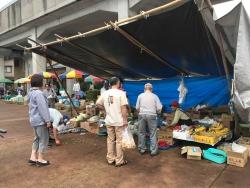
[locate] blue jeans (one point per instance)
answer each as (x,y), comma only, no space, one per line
(150,122)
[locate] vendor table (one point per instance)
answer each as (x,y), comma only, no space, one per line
(183,135)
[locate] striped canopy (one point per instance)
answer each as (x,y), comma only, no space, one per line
(72,74)
(46,75)
(93,79)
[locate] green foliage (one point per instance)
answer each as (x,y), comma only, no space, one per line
(98,85)
(84,86)
(91,95)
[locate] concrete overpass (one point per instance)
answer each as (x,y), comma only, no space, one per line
(41,19)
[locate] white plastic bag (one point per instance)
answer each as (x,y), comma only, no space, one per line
(127,139)
(238,148)
(182,91)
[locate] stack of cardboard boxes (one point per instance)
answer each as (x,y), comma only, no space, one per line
(235,158)
(91,110)
(169,117)
(91,127)
(227,121)
(166,135)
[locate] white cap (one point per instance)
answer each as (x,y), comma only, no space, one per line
(148,85)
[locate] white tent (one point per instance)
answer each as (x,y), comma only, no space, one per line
(233,19)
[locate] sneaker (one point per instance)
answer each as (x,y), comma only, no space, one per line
(154,154)
(142,152)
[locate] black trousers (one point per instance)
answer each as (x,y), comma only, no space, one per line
(185,122)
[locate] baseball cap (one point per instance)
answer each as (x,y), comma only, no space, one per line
(175,104)
(148,85)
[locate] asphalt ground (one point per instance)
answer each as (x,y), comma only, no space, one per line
(80,162)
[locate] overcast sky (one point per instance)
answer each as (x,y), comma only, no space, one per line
(4,2)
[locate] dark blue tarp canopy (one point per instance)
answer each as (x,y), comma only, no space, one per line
(210,91)
(178,36)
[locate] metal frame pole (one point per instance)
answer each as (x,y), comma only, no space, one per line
(49,62)
(143,47)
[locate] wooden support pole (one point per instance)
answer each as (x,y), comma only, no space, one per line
(75,60)
(83,49)
(49,62)
(107,27)
(80,63)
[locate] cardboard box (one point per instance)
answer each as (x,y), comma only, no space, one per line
(74,123)
(234,158)
(169,117)
(193,152)
(221,109)
(227,121)
(166,135)
(59,106)
(90,127)
(25,103)
(82,103)
(226,124)
(227,117)
(244,141)
(169,141)
(90,110)
(237,159)
(225,147)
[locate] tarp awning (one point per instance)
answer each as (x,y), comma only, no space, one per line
(234,22)
(178,36)
(209,91)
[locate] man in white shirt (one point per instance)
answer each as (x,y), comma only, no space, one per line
(76,88)
(148,105)
(114,102)
(56,119)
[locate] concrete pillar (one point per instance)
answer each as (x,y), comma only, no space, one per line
(69,82)
(28,64)
(38,62)
(123,9)
(1,67)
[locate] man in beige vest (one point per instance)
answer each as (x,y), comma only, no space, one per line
(114,102)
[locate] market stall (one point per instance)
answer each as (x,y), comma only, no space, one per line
(128,49)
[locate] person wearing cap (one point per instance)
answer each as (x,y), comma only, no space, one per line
(180,117)
(56,118)
(114,102)
(148,105)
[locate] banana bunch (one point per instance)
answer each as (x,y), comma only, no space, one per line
(222,132)
(199,129)
(216,126)
(207,134)
(218,129)
(191,131)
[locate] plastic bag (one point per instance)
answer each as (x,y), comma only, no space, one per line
(127,139)
(238,148)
